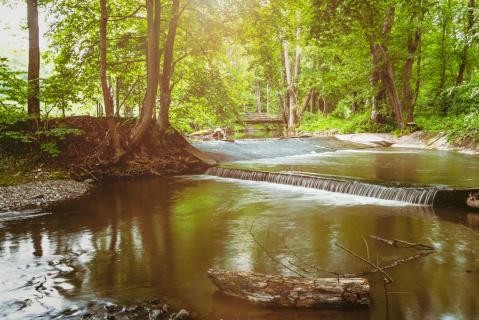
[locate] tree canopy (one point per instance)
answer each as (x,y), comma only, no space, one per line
(374,65)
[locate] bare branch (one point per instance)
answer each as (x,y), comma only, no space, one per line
(365,260)
(403,243)
(270,255)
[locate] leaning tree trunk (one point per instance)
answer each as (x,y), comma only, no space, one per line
(33,59)
(165,95)
(107,97)
(277,291)
(153,9)
(387,80)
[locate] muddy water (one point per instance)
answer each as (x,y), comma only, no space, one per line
(132,241)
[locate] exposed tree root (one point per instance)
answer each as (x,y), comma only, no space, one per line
(91,155)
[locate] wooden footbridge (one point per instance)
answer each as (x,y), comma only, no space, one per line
(261,118)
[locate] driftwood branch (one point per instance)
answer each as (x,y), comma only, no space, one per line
(403,244)
(391,265)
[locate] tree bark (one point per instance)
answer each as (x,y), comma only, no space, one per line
(33,59)
(107,97)
(165,94)
(470,24)
(277,291)
(153,9)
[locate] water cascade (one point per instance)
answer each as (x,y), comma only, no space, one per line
(419,196)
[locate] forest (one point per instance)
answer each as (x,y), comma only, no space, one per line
(345,66)
(239,159)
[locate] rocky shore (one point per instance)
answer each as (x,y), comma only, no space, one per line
(40,194)
(155,309)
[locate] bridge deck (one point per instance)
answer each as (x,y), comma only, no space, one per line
(257,118)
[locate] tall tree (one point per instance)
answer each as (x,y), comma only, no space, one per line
(413,42)
(291,76)
(384,66)
(33,59)
(153,11)
(165,87)
(107,96)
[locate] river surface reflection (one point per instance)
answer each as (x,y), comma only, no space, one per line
(136,240)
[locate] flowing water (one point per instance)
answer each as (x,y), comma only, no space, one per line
(137,240)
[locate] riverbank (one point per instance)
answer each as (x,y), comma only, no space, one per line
(31,178)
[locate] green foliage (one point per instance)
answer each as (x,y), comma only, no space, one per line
(15,136)
(465,126)
(13,88)
(458,127)
(224,48)
(50,148)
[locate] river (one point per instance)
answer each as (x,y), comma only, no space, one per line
(136,240)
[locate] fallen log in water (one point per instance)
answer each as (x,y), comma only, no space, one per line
(277,291)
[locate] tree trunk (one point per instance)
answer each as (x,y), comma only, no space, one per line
(117,97)
(267,97)
(470,24)
(418,73)
(107,97)
(258,96)
(33,59)
(291,80)
(407,94)
(165,94)
(153,9)
(387,80)
(305,104)
(277,291)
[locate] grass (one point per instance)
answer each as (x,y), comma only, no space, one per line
(458,127)
(358,123)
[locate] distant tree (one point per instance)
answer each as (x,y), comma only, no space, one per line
(33,59)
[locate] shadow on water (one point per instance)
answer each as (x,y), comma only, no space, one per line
(132,241)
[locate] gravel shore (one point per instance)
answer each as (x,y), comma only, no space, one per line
(40,194)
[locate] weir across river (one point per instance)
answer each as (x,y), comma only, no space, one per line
(419,196)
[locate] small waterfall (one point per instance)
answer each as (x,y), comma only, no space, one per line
(420,196)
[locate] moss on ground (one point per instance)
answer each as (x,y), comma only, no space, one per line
(14,171)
